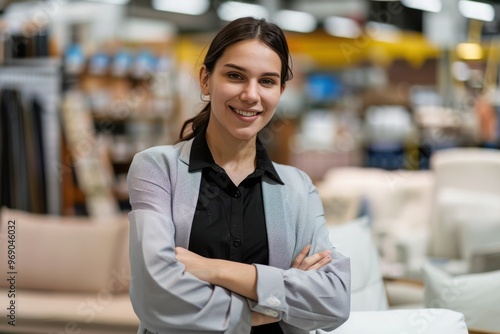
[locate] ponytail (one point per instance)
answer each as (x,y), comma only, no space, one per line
(196,124)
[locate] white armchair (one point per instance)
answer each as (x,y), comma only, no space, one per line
(465,217)
(369,314)
(398,203)
(476,296)
(354,239)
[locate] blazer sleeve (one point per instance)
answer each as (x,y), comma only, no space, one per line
(308,300)
(165,297)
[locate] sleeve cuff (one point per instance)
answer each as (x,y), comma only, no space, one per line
(270,292)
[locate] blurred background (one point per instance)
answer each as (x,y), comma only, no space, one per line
(393,112)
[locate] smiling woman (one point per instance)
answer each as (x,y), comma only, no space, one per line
(223,239)
(244,90)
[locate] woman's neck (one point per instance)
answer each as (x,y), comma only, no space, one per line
(237,157)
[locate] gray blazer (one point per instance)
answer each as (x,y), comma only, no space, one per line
(163,195)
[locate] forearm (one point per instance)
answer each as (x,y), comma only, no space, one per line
(240,278)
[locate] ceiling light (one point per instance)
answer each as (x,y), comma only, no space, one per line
(426,5)
(476,10)
(232,10)
(189,7)
(295,21)
(341,27)
(469,51)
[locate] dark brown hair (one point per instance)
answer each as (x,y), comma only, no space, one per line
(242,29)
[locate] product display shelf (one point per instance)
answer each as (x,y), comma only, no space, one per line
(132,107)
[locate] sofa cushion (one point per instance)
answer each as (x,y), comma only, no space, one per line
(70,312)
(408,321)
(474,295)
(479,241)
(453,208)
(354,239)
(341,208)
(66,253)
(403,294)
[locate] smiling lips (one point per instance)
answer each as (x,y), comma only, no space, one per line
(245,113)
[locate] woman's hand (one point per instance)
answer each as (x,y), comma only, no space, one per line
(315,261)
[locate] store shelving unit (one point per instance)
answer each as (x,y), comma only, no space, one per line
(41,78)
(129,111)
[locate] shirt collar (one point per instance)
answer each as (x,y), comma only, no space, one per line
(201,157)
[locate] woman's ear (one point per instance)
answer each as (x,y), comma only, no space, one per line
(283,88)
(204,80)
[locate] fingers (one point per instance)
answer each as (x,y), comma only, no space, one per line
(302,255)
(315,261)
(327,258)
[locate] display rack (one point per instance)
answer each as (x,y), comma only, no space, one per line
(41,78)
(123,112)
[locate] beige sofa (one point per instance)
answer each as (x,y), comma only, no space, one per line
(71,274)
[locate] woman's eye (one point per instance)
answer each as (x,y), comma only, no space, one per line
(234,76)
(268,82)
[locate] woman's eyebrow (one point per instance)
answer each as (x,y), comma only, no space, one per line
(267,74)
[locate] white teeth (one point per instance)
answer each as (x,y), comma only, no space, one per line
(244,113)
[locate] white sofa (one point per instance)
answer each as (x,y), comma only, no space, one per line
(466,195)
(452,217)
(399,205)
(354,239)
(476,296)
(370,313)
(408,321)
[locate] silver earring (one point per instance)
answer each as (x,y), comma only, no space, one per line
(202,97)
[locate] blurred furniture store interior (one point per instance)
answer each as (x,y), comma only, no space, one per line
(393,112)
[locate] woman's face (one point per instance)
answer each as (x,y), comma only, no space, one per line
(244,89)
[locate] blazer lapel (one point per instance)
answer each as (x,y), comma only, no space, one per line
(185,197)
(277,213)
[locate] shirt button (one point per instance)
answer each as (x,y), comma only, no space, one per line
(272,313)
(237,194)
(237,242)
(273,301)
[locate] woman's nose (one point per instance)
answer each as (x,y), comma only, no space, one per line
(250,93)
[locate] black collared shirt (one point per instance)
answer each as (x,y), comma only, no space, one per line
(229,222)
